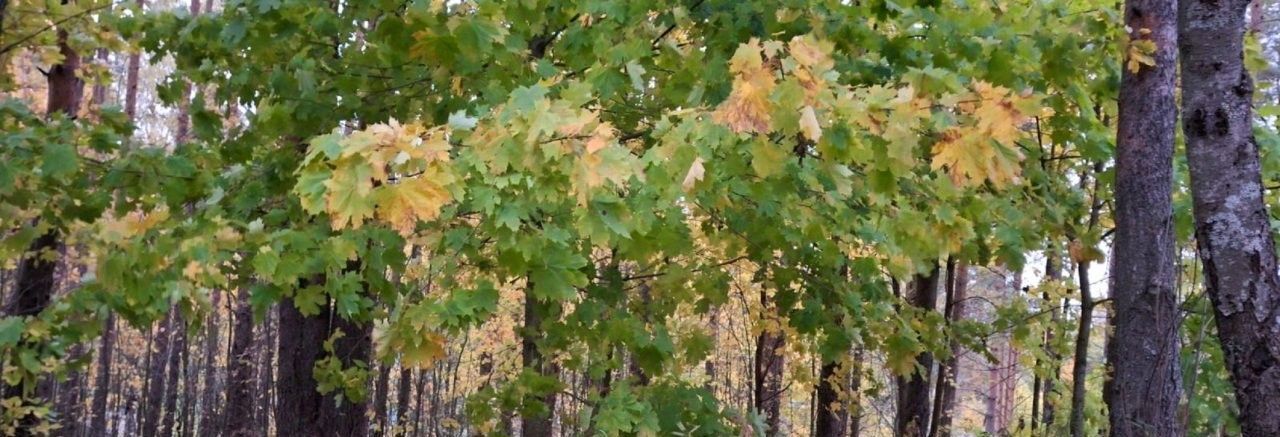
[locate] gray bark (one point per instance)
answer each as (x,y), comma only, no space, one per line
(1232,230)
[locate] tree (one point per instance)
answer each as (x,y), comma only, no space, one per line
(914,400)
(1232,226)
(1145,386)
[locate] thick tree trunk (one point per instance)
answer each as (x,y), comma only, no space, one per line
(301,341)
(35,277)
(102,381)
(404,394)
(238,415)
(267,400)
(70,397)
(769,364)
(301,409)
(346,418)
(832,417)
(1145,385)
(913,391)
(535,312)
(1232,224)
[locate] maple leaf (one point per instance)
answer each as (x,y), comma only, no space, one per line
(747,108)
(404,204)
(348,199)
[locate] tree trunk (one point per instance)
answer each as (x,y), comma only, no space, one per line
(832,417)
(404,393)
(173,378)
(535,312)
(209,395)
(1145,386)
(102,381)
(380,399)
(855,394)
(913,390)
(347,418)
(35,277)
(957,292)
(1053,272)
(239,412)
(1233,232)
(301,341)
(1080,367)
(769,364)
(154,401)
(131,78)
(268,391)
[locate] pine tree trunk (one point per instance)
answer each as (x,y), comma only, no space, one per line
(1233,232)
(267,400)
(102,381)
(913,391)
(173,379)
(154,401)
(131,78)
(404,394)
(1145,386)
(209,395)
(239,412)
(380,399)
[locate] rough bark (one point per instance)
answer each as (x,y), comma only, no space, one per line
(173,379)
(535,312)
(131,78)
(380,399)
(346,418)
(154,401)
(35,277)
(237,416)
(769,365)
(949,371)
(102,381)
(404,393)
(914,402)
(832,416)
(1145,385)
(209,395)
(1233,233)
(301,341)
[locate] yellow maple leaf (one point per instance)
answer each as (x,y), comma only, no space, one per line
(747,108)
(420,198)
